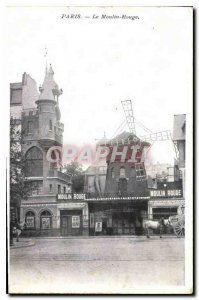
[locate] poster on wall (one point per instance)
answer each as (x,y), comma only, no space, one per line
(98,227)
(45,223)
(75,221)
(30,222)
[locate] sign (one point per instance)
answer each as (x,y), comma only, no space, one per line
(75,221)
(30,222)
(71,196)
(165,193)
(98,226)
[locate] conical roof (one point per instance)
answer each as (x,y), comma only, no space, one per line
(49,88)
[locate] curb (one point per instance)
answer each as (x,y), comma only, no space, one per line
(99,237)
(26,244)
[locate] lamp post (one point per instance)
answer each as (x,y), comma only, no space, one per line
(165,187)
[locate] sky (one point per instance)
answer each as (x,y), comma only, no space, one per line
(100,62)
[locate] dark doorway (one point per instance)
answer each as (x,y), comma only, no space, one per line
(70,222)
(123,223)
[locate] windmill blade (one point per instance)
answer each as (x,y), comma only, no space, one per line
(157,136)
(128,111)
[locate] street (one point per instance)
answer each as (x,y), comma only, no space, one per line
(97,265)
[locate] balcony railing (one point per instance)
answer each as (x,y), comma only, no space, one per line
(59,175)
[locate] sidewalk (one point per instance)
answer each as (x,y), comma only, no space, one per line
(22,243)
(26,242)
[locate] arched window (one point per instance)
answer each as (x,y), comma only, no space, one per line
(34,162)
(46,220)
(112,173)
(30,220)
(122,172)
(132,172)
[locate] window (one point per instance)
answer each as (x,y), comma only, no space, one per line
(112,173)
(132,172)
(50,186)
(46,220)
(164,212)
(64,190)
(140,172)
(30,127)
(122,172)
(50,125)
(34,162)
(30,220)
(59,189)
(35,187)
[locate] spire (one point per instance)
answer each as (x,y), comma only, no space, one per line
(50,71)
(49,89)
(45,55)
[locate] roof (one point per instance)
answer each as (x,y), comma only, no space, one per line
(49,88)
(102,141)
(16,85)
(179,127)
(127,138)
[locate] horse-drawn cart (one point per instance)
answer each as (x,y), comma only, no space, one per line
(178,224)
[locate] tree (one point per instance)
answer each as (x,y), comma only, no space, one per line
(74,169)
(18,186)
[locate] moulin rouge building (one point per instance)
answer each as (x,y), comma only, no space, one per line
(51,209)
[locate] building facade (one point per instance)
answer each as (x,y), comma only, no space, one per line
(168,197)
(116,198)
(39,117)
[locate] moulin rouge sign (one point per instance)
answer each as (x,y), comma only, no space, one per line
(71,196)
(166,193)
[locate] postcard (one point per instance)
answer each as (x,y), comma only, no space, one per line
(100,193)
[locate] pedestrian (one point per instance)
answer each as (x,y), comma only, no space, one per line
(18,231)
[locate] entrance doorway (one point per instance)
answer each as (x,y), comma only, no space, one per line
(124,223)
(70,222)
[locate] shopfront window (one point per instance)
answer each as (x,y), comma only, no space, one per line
(46,220)
(164,212)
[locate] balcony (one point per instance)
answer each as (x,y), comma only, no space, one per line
(59,175)
(52,137)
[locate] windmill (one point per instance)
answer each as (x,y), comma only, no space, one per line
(150,137)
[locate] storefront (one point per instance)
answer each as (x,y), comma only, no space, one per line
(117,217)
(61,215)
(165,203)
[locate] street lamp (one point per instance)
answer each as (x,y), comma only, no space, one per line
(165,186)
